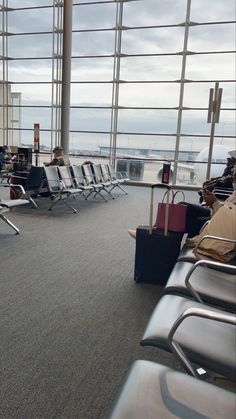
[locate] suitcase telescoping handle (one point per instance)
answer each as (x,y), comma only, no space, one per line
(159,185)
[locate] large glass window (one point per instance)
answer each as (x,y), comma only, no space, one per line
(94,16)
(152,41)
(150,68)
(208,11)
(145,120)
(140,76)
(154,12)
(149,95)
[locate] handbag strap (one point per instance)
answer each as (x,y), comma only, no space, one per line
(169,201)
(176,193)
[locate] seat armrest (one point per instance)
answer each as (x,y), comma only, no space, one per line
(62,185)
(207,263)
(211,237)
(195,312)
(18,177)
(215,238)
(96,178)
(10,185)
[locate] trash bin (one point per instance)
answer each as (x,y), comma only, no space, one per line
(136,170)
(122,167)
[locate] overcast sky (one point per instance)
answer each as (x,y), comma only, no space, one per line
(140,41)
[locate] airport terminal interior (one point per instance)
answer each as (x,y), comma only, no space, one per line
(108,308)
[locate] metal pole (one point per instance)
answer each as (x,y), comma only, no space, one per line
(181,93)
(213,117)
(116,81)
(66,75)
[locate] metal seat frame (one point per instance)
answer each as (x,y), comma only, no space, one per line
(59,192)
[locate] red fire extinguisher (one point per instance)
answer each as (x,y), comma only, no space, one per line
(166,173)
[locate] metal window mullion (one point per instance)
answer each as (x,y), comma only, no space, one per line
(157,54)
(56,73)
(116,80)
(3,70)
(4,73)
(61,34)
(53,70)
(181,93)
(129,82)
(8,94)
(130,28)
(113,89)
(57,98)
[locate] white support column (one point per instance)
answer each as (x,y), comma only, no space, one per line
(57,38)
(116,81)
(213,117)
(5,84)
(66,75)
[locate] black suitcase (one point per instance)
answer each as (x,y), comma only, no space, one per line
(156,250)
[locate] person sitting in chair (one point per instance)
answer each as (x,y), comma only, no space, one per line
(60,159)
(222,224)
(197,215)
(6,159)
(224,181)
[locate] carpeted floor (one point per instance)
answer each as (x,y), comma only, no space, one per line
(71,316)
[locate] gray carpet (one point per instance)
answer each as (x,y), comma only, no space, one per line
(71,316)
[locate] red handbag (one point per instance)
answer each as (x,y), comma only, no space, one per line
(176,214)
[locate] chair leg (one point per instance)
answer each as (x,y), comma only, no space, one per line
(10,223)
(70,206)
(33,202)
(100,194)
(109,193)
(118,185)
(58,198)
(87,196)
(55,199)
(126,193)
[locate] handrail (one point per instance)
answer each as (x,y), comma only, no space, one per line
(197,312)
(208,236)
(207,263)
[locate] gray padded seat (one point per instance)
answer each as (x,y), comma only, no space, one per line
(213,286)
(99,178)
(116,177)
(187,255)
(153,391)
(209,343)
(57,189)
(91,181)
(11,203)
(79,179)
(106,175)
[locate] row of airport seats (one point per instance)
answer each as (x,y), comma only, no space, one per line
(195,321)
(61,184)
